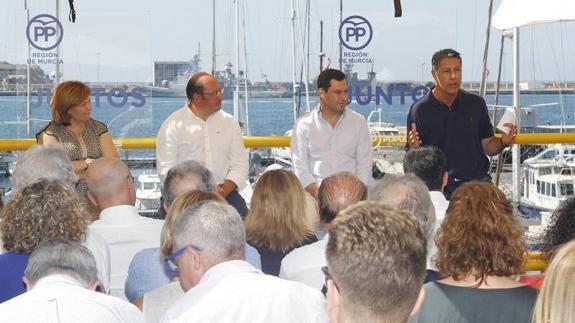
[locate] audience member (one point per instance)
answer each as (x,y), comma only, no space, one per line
(480,249)
(276,223)
(83,138)
(376,264)
(556,298)
(409,193)
(148,269)
(46,209)
(61,277)
(51,161)
(111,188)
(336,192)
(208,252)
(429,164)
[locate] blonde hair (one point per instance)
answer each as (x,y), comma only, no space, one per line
(66,96)
(557,296)
(277,216)
(182,202)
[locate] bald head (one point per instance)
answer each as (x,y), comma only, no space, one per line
(337,192)
(110,183)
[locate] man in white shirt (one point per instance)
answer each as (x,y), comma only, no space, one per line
(332,138)
(201,131)
(61,277)
(111,187)
(220,286)
(51,161)
(376,265)
(336,193)
(430,165)
(408,193)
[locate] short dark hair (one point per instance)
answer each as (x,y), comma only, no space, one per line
(428,163)
(327,75)
(444,53)
(194,86)
(561,227)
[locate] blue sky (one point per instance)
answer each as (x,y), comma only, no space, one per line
(119,40)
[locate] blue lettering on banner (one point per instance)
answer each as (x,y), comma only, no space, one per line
(117,97)
(380,93)
(355,32)
(44,32)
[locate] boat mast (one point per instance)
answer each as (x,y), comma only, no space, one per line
(515,152)
(28,82)
(246,108)
(237,90)
(485,52)
(294,82)
(58,31)
(321,54)
(340,45)
(214,38)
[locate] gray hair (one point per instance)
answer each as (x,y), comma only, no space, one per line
(408,193)
(186,176)
(214,226)
(50,161)
(64,257)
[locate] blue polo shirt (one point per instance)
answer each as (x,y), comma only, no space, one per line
(12,266)
(456,130)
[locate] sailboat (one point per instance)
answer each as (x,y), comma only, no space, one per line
(548,178)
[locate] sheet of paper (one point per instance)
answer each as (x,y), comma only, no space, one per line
(508,117)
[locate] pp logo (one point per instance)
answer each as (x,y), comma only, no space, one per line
(355,32)
(44,32)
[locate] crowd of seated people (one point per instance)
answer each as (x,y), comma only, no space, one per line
(382,260)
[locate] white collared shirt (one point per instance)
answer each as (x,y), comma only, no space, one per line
(304,264)
(216,142)
(318,150)
(126,233)
(235,291)
(61,299)
(440,204)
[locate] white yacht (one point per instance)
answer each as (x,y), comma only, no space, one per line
(548,178)
(148,192)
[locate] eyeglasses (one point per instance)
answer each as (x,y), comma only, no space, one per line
(328,276)
(214,93)
(171,259)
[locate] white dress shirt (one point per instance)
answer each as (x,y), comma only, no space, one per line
(440,204)
(61,299)
(318,150)
(126,233)
(235,291)
(304,264)
(157,302)
(101,252)
(216,142)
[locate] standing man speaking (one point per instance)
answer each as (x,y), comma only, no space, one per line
(332,138)
(200,131)
(457,122)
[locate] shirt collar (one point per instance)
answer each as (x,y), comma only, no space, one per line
(118,212)
(222,270)
(57,278)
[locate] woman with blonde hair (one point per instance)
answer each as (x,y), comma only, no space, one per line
(276,223)
(480,250)
(557,295)
(83,138)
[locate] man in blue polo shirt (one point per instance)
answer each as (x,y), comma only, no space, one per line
(457,122)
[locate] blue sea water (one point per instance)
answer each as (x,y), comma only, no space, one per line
(267,116)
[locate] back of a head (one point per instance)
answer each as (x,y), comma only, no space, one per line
(337,192)
(46,209)
(277,211)
(556,297)
(40,161)
(493,239)
(428,163)
(107,179)
(182,202)
(408,193)
(186,176)
(376,256)
(216,227)
(561,227)
(62,257)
